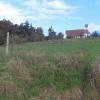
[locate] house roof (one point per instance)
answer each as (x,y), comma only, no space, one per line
(76,32)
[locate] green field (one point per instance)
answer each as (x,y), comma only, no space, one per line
(50,70)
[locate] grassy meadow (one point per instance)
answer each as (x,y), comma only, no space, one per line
(51,70)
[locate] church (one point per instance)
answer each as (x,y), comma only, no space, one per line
(78,33)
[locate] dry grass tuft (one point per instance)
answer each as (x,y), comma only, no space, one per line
(10,90)
(96,74)
(72,94)
(17,68)
(51,94)
(92,83)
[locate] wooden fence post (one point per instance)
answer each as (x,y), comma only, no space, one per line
(7,44)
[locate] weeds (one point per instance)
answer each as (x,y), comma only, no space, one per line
(38,75)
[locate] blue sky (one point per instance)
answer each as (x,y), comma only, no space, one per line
(61,14)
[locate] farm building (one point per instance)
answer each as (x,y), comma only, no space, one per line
(78,33)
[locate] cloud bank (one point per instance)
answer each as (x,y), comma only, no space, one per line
(35,10)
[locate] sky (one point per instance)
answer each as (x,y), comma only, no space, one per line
(60,14)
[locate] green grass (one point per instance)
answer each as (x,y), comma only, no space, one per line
(58,65)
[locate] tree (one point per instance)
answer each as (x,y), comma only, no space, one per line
(5,26)
(32,33)
(26,27)
(2,37)
(21,30)
(36,34)
(60,35)
(95,34)
(39,34)
(20,33)
(52,33)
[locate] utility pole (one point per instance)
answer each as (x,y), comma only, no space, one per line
(7,44)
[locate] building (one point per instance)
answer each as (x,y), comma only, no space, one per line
(78,33)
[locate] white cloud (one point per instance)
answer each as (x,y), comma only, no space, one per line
(94,27)
(37,11)
(57,4)
(60,5)
(46,7)
(9,12)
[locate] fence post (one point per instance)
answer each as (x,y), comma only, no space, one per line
(7,44)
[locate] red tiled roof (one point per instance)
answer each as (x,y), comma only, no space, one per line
(76,32)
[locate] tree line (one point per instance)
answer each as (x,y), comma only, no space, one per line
(25,32)
(95,34)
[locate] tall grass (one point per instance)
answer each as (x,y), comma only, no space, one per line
(34,72)
(44,71)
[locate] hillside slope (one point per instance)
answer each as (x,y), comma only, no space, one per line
(53,70)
